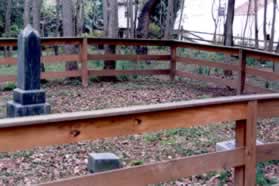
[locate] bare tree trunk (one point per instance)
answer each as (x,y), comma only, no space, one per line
(270,46)
(228,32)
(264,25)
(8,17)
(170,20)
(58,3)
(144,18)
(215,21)
(80,17)
(182,4)
(57,31)
(246,23)
(256,25)
(36,14)
(8,25)
(68,30)
(111,31)
(136,16)
(26,12)
(130,19)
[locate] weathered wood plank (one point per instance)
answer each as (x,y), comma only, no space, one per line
(84,62)
(60,58)
(262,73)
(8,61)
(240,141)
(127,72)
(65,74)
(5,78)
(173,63)
(207,63)
(60,41)
(128,57)
(256,89)
(210,48)
(267,152)
(129,42)
(95,128)
(262,55)
(216,81)
(250,146)
(159,172)
(241,81)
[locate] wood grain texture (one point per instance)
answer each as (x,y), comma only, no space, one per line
(60,58)
(173,63)
(250,146)
(252,88)
(267,152)
(221,65)
(84,62)
(159,172)
(128,57)
(8,61)
(65,74)
(102,127)
(216,81)
(262,73)
(127,72)
(5,78)
(242,72)
(240,141)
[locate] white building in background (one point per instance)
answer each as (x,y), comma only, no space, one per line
(198,17)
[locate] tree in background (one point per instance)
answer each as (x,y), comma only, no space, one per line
(36,14)
(228,32)
(246,22)
(110,12)
(8,24)
(228,27)
(170,20)
(256,24)
(26,12)
(264,25)
(68,30)
(270,46)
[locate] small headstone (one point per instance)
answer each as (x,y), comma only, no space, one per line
(99,162)
(28,98)
(229,145)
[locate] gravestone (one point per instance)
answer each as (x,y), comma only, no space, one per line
(229,145)
(99,162)
(28,98)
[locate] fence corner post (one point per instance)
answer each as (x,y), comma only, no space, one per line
(242,72)
(173,62)
(84,62)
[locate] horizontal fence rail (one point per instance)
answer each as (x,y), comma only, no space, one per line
(83,56)
(30,132)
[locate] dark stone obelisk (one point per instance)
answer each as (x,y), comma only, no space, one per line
(29,98)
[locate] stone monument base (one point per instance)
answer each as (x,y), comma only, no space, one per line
(18,110)
(28,103)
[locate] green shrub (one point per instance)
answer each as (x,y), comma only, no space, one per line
(9,86)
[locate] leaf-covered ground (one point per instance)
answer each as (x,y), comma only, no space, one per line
(55,162)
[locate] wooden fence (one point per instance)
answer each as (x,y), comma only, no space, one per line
(24,133)
(84,55)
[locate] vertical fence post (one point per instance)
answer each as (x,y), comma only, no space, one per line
(173,62)
(250,152)
(84,62)
(246,137)
(240,141)
(242,72)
